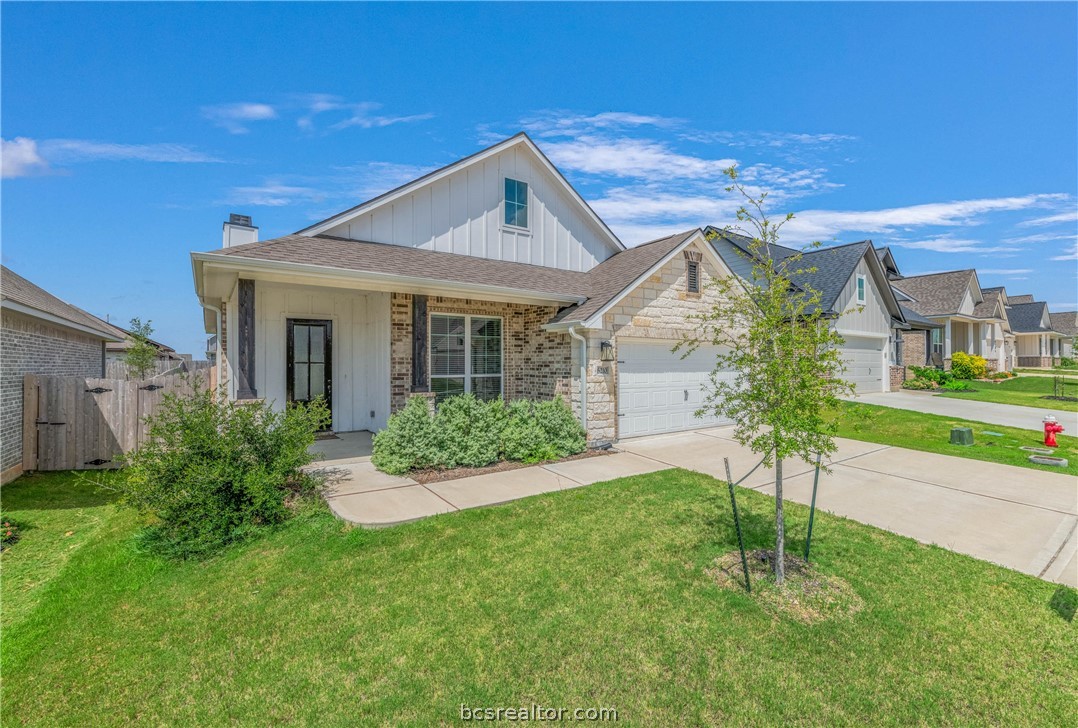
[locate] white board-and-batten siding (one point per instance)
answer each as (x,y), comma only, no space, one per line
(360,348)
(873,318)
(462,213)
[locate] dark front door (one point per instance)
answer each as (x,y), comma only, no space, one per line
(310,347)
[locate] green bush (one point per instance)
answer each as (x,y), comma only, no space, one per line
(966,366)
(918,383)
(469,432)
(931,374)
(213,471)
(1067,362)
(409,441)
(538,431)
(957,385)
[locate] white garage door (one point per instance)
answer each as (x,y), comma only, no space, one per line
(658,391)
(864,363)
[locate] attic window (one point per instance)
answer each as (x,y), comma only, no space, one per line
(516,203)
(692,278)
(860,289)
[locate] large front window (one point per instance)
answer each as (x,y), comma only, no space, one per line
(465,356)
(937,341)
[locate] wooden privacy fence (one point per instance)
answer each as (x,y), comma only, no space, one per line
(77,423)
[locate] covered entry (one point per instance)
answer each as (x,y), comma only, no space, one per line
(658,391)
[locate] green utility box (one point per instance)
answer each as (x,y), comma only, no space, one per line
(961,436)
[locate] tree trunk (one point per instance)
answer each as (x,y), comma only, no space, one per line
(780,530)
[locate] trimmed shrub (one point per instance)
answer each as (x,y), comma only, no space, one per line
(918,383)
(957,385)
(212,471)
(966,366)
(469,432)
(931,374)
(545,430)
(409,441)
(1067,362)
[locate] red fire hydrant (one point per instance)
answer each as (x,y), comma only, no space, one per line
(1051,429)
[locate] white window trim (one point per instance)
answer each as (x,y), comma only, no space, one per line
(860,289)
(431,376)
(528,205)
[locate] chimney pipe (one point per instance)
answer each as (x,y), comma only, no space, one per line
(239,231)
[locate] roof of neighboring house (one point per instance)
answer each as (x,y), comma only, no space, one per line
(1065,322)
(1027,318)
(610,278)
(988,308)
(917,321)
(1024,298)
(400,260)
(125,342)
(34,300)
(935,294)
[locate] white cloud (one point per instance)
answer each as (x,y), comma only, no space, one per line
(62,151)
(20,158)
(641,158)
(949,244)
(273,194)
(564,123)
(235,117)
(1071,254)
(767,138)
(348,114)
(1004,271)
(1069,216)
(1039,238)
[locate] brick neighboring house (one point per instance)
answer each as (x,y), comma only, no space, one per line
(1066,323)
(39,334)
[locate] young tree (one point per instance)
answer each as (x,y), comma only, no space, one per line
(142,355)
(779,370)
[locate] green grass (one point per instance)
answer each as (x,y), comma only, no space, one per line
(1025,391)
(590,597)
(1073,371)
(932,433)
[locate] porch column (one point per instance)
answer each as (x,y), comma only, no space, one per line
(419,344)
(245,341)
(947,339)
(969,338)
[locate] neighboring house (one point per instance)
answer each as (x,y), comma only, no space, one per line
(954,300)
(912,343)
(1066,323)
(39,334)
(492,276)
(117,350)
(995,299)
(854,294)
(1037,343)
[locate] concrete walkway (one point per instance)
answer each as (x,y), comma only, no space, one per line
(1009,415)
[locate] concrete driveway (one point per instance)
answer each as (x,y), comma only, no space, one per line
(1010,415)
(1020,518)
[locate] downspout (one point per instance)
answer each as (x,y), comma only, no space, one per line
(583,378)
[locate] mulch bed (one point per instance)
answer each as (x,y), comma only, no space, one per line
(436,475)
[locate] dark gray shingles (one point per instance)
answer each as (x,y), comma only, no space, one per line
(987,308)
(1026,318)
(937,294)
(1065,322)
(17,289)
(1021,298)
(918,321)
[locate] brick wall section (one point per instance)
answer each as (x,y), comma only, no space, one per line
(659,308)
(898,375)
(1035,361)
(536,362)
(914,348)
(30,346)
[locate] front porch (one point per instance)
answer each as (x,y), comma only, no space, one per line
(342,447)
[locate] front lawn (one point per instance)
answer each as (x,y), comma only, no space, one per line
(593,597)
(932,433)
(1025,391)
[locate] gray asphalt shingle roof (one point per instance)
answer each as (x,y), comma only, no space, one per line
(1022,298)
(936,294)
(1065,322)
(17,289)
(987,308)
(1026,318)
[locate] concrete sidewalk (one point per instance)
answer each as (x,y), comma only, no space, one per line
(1009,415)
(359,493)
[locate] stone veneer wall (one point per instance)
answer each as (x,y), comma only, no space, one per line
(898,375)
(1035,361)
(536,362)
(659,308)
(31,346)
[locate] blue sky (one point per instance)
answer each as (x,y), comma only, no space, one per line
(949,132)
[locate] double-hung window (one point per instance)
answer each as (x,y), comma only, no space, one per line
(937,341)
(516,203)
(465,356)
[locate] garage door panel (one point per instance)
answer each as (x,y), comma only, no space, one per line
(864,362)
(672,388)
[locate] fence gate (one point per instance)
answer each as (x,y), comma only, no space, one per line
(75,423)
